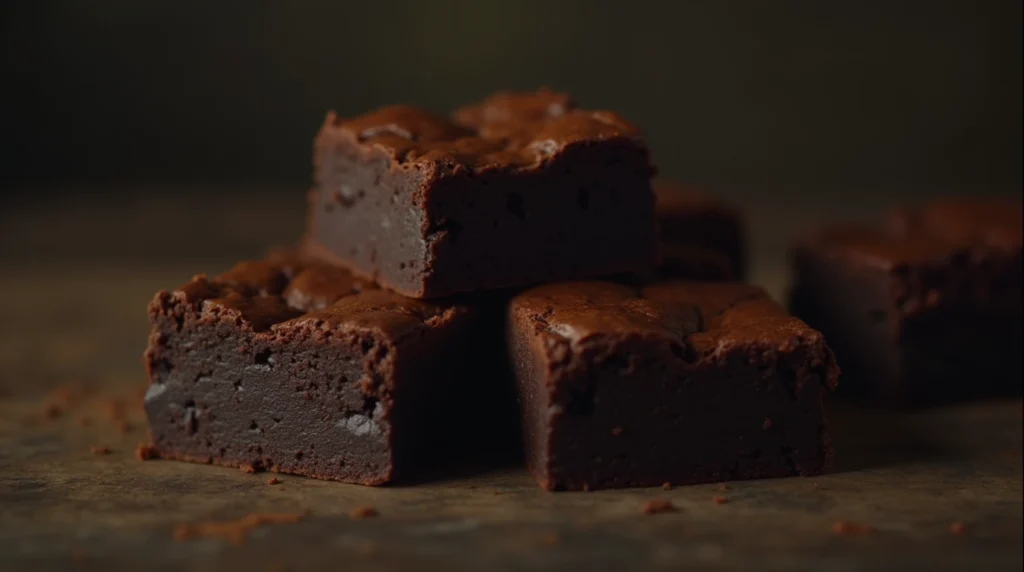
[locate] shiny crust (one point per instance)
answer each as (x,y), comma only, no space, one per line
(505,131)
(701,321)
(285,292)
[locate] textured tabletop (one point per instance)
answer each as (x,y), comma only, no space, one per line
(933,489)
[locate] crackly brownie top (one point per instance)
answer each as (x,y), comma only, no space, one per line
(285,291)
(506,130)
(993,222)
(945,231)
(706,320)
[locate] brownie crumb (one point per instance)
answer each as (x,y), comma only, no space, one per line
(248,469)
(586,488)
(723,487)
(658,506)
(767,424)
(616,431)
(816,486)
(146,452)
(52,411)
(100,450)
(719,499)
(958,528)
(496,493)
(124,427)
(233,531)
(666,486)
(273,481)
(847,528)
(362,512)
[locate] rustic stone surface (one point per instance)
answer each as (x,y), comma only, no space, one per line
(908,475)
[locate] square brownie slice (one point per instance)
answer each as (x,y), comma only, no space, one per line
(520,189)
(673,382)
(926,309)
(701,236)
(301,368)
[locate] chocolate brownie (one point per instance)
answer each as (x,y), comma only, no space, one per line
(926,309)
(301,368)
(675,382)
(520,189)
(691,262)
(696,228)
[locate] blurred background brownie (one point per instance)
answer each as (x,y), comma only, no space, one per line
(691,221)
(520,189)
(675,382)
(926,309)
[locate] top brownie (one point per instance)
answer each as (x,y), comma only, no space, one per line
(519,189)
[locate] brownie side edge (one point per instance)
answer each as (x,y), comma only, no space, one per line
(635,410)
(295,366)
(223,395)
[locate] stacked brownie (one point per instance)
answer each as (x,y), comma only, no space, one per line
(518,238)
(924,309)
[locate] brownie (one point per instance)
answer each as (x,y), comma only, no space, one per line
(676,382)
(519,189)
(702,237)
(691,262)
(299,367)
(926,308)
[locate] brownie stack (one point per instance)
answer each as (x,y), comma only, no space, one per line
(455,266)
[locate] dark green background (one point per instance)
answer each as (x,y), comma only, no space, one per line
(742,92)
